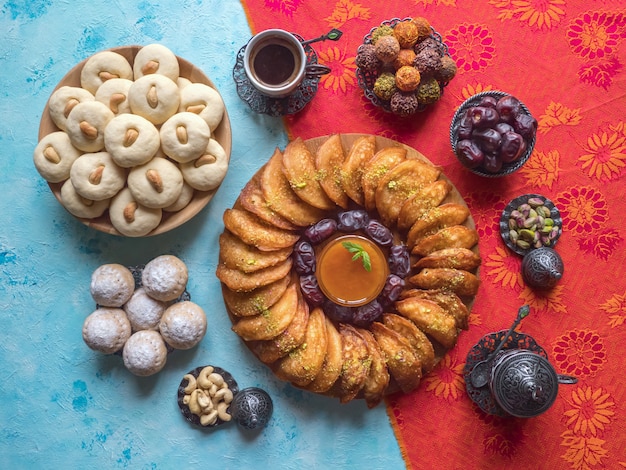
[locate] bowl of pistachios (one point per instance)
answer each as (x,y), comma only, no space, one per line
(529,222)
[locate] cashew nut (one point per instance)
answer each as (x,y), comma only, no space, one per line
(194,406)
(209,418)
(203,378)
(222,413)
(191,383)
(216,378)
(224,394)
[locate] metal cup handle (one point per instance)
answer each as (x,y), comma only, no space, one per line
(566,379)
(316,70)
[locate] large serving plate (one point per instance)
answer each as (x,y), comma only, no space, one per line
(200,199)
(453,196)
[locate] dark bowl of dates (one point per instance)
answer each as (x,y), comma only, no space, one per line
(529,222)
(408,102)
(493,134)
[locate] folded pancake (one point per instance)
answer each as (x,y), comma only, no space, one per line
(430,318)
(329,160)
(280,197)
(404,366)
(246,304)
(299,169)
(378,378)
(355,367)
(449,301)
(460,282)
(273,321)
(435,219)
(253,231)
(377,167)
(456,236)
(273,349)
(430,196)
(302,364)
(331,368)
(422,347)
(399,184)
(252,200)
(361,151)
(459,258)
(236,254)
(240,281)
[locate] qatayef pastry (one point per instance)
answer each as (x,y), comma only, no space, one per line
(377,314)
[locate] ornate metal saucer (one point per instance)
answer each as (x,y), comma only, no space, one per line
(482,396)
(276,106)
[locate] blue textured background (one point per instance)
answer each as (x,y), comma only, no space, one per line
(65,406)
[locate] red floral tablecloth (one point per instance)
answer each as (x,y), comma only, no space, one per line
(565,59)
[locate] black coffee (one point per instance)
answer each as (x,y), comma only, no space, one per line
(274,64)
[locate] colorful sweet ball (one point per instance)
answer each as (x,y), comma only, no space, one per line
(405,57)
(407,78)
(407,33)
(387,48)
(428,62)
(366,58)
(404,104)
(385,86)
(428,91)
(379,32)
(423,27)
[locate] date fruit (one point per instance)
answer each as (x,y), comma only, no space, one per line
(470,153)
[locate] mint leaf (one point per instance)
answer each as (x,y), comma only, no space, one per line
(358,252)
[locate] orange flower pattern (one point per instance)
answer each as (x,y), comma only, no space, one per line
(615,307)
(344,11)
(546,14)
(556,115)
(286,7)
(341,78)
(580,353)
(446,381)
(504,269)
(542,168)
(590,411)
(605,155)
(550,301)
(471,46)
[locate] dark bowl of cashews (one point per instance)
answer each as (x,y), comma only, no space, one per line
(205,394)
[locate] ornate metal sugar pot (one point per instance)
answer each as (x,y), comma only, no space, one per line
(524,383)
(509,374)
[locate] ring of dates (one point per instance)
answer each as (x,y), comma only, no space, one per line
(351,221)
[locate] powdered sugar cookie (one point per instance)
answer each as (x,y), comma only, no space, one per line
(85,125)
(165,277)
(156,59)
(154,97)
(54,156)
(183,325)
(131,140)
(106,330)
(96,176)
(184,136)
(112,285)
(114,94)
(155,184)
(208,171)
(131,218)
(80,206)
(204,101)
(63,100)
(144,312)
(145,353)
(104,66)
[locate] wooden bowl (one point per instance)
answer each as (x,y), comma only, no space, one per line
(170,220)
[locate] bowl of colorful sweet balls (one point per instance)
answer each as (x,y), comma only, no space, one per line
(403,66)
